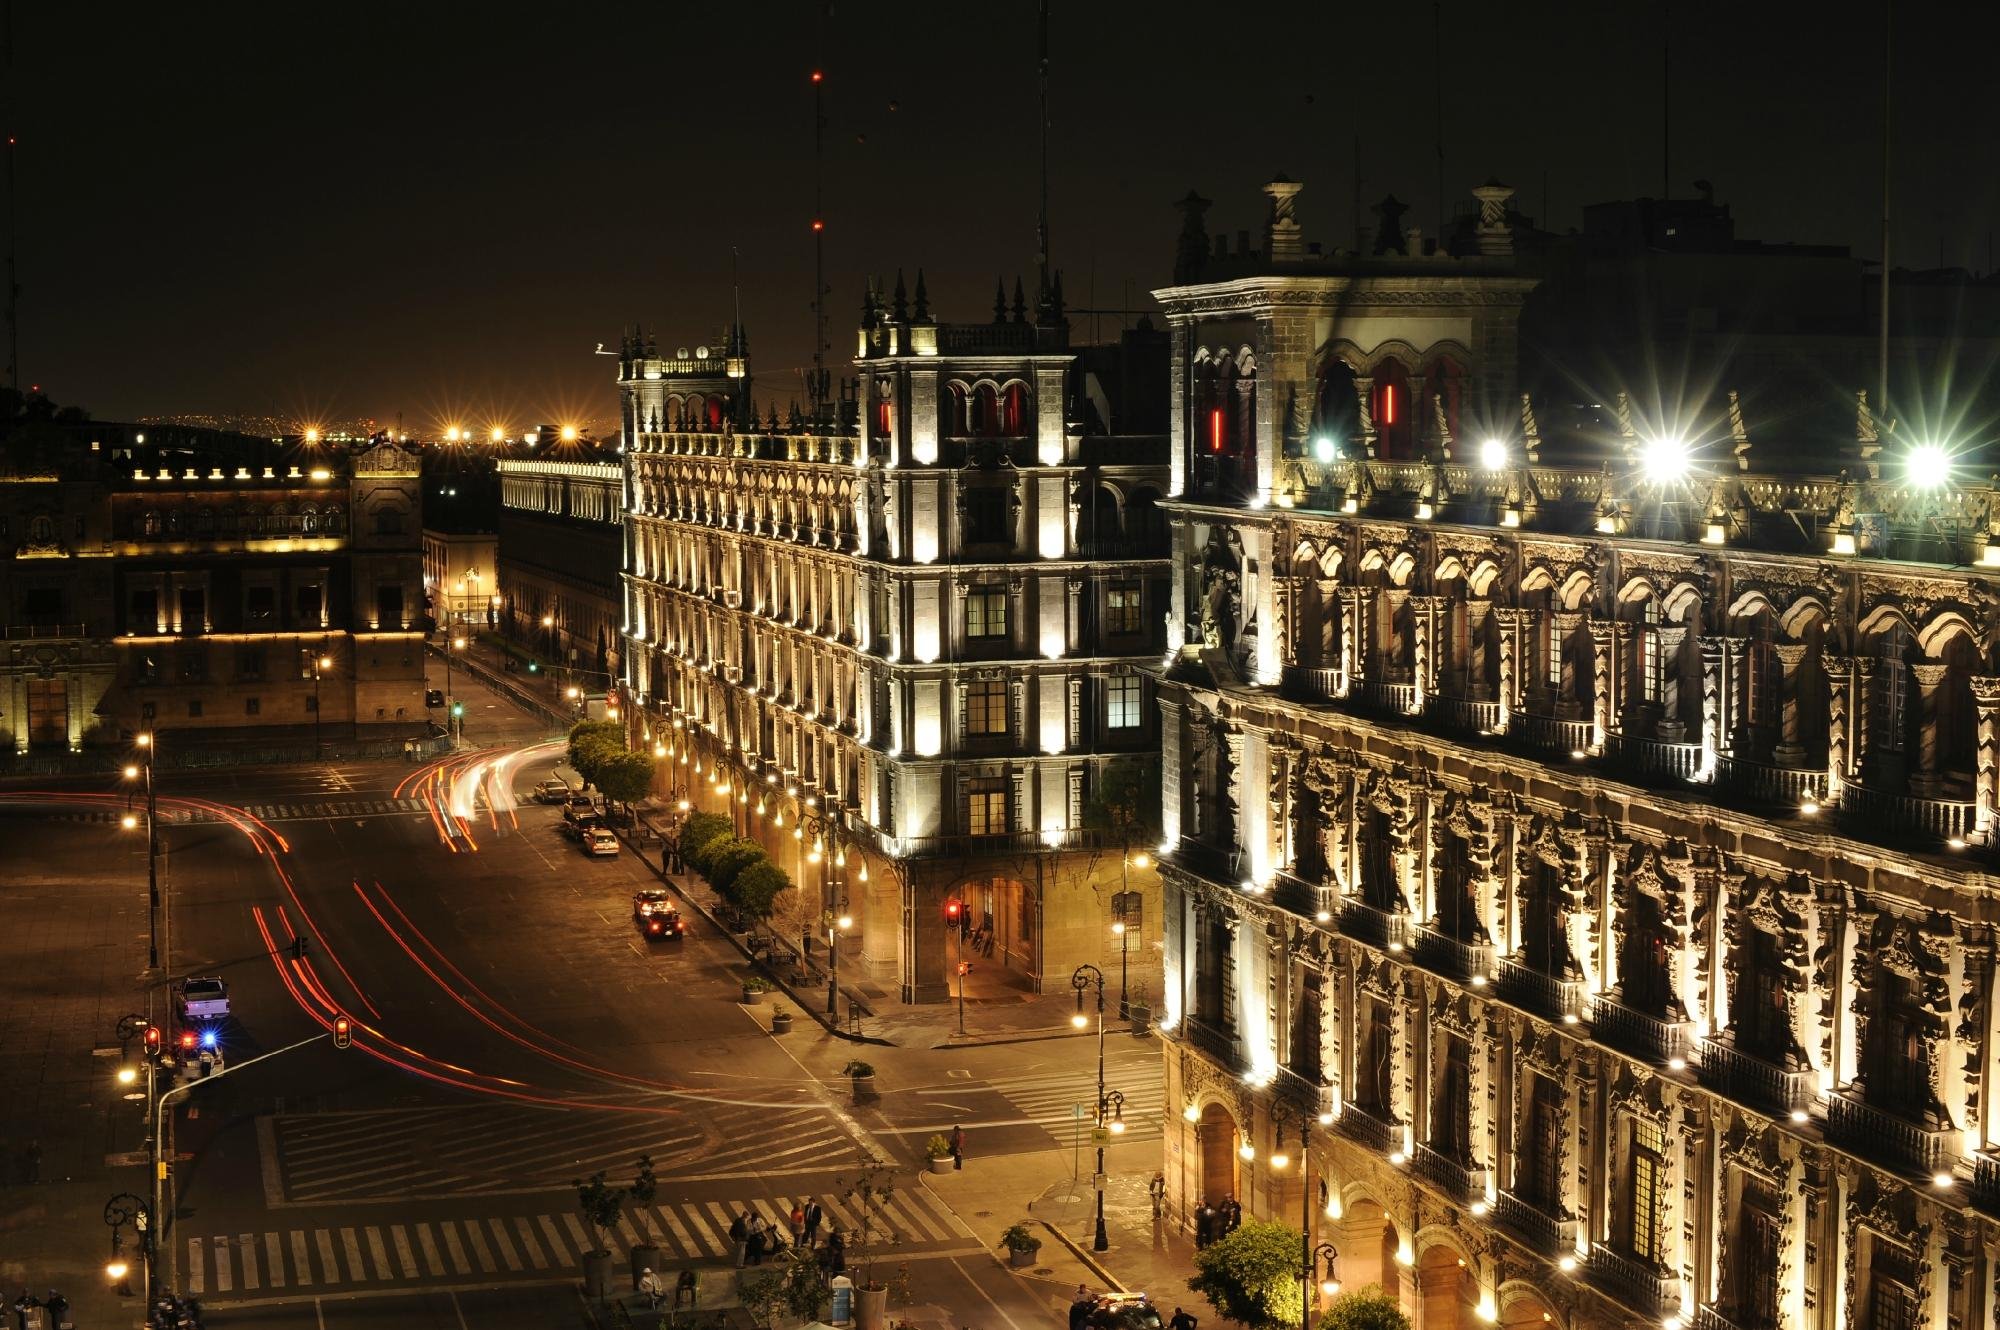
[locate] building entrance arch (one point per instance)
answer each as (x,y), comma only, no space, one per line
(1446,1290)
(1368,1243)
(1521,1309)
(1219,1143)
(996,950)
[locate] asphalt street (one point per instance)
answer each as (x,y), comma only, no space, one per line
(512,1032)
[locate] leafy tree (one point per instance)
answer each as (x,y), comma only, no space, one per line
(1126,803)
(700,831)
(867,1196)
(727,860)
(1366,1308)
(591,742)
(763,1296)
(626,776)
(645,1186)
(1252,1276)
(600,1205)
(806,1290)
(757,888)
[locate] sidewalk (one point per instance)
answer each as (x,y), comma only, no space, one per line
(990,1195)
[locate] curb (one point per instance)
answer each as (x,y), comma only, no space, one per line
(810,1009)
(1015,1039)
(1089,1261)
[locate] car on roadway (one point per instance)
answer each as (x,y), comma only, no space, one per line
(656,916)
(579,818)
(551,792)
(203,998)
(1122,1311)
(597,841)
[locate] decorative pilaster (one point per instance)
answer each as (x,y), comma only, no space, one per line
(1364,400)
(1735,696)
(1929,677)
(1430,646)
(1564,624)
(1477,612)
(1395,658)
(1789,752)
(1509,620)
(1670,727)
(1839,723)
(1712,735)
(1986,789)
(1606,639)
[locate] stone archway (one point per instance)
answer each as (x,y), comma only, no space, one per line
(1523,1309)
(1447,1293)
(1219,1141)
(1368,1242)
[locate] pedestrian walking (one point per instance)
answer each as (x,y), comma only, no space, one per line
(1204,1225)
(1235,1216)
(1157,1189)
(813,1217)
(958,1147)
(798,1222)
(1182,1321)
(835,1254)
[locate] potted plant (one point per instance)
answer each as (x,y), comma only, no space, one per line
(938,1150)
(866,1198)
(600,1205)
(1021,1246)
(754,988)
(862,1077)
(781,1021)
(763,1296)
(645,1256)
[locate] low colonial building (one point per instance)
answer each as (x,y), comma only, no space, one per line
(1578,843)
(904,647)
(193,583)
(558,554)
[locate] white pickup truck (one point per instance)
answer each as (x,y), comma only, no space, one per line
(204,998)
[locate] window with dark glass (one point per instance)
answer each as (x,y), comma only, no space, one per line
(1540,1177)
(1898,1052)
(260,603)
(1122,702)
(1451,1100)
(1208,971)
(1306,1002)
(143,612)
(250,663)
(1544,939)
(1754,1279)
(42,605)
(986,807)
(1457,918)
(1644,1238)
(1014,410)
(986,707)
(389,606)
(1121,607)
(1763,1021)
(1892,1293)
(1379,887)
(986,612)
(194,611)
(1645,984)
(985,509)
(1377,1048)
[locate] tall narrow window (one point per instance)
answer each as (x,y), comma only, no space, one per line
(1755,1282)
(1378,864)
(1892,683)
(1651,673)
(1543,939)
(1451,1102)
(986,612)
(986,708)
(1121,607)
(986,807)
(1892,1293)
(1541,1178)
(1456,917)
(1122,694)
(1644,1238)
(1377,1048)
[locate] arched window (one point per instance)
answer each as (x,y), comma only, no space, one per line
(42,531)
(281,519)
(714,408)
(958,421)
(1014,411)
(1336,428)
(173,521)
(1395,416)
(985,411)
(334,520)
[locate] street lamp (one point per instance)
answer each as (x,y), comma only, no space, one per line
(1085,977)
(1324,1254)
(1306,1253)
(453,646)
(145,766)
(549,633)
(321,664)
(120,1210)
(836,924)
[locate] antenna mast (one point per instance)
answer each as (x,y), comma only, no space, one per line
(819,393)
(13,229)
(1042,226)
(1882,295)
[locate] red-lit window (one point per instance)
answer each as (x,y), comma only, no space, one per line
(1385,404)
(1217,430)
(715,411)
(985,411)
(1014,411)
(1395,431)
(885,425)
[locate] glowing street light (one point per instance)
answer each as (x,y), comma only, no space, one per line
(1323,449)
(496,435)
(568,434)
(1928,466)
(1493,455)
(1665,460)
(312,435)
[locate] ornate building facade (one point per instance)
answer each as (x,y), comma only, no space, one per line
(191,584)
(559,545)
(905,651)
(1578,878)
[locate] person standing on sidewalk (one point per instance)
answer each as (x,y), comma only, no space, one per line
(1182,1321)
(958,1147)
(1235,1219)
(813,1217)
(797,1220)
(1157,1189)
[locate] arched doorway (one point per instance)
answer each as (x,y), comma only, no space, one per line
(1446,1290)
(1522,1309)
(1368,1243)
(1218,1136)
(993,952)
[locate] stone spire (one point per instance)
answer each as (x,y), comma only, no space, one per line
(900,310)
(1020,303)
(923,312)
(1494,236)
(999,300)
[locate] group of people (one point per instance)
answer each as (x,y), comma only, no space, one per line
(757,1238)
(1213,1221)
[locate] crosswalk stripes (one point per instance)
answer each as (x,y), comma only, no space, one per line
(296,812)
(1051,1100)
(320,1259)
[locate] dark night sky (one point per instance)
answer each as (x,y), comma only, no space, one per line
(438,209)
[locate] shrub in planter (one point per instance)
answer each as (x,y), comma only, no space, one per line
(754,988)
(861,1075)
(757,888)
(646,1255)
(700,831)
(938,1150)
(1021,1246)
(600,1205)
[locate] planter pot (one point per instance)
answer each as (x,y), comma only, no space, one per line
(752,996)
(1023,1257)
(597,1274)
(645,1257)
(1142,1019)
(864,1088)
(871,1308)
(781,1022)
(941,1165)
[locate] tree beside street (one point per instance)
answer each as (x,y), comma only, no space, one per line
(699,833)
(1252,1276)
(1366,1308)
(757,888)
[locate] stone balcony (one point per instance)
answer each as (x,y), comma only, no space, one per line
(1649,1038)
(1544,994)
(1447,1175)
(1888,1138)
(1654,759)
(1533,1225)
(1218,1043)
(1552,734)
(1753,1081)
(1864,812)
(1437,950)
(1986,1182)
(1384,928)
(1636,1283)
(1361,1124)
(1714,1318)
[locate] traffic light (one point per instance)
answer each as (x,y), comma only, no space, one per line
(343,1032)
(458,709)
(152,1040)
(951,911)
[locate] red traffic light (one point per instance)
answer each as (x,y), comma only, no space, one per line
(343,1032)
(187,1040)
(152,1039)
(951,912)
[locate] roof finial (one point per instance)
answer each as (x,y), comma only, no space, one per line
(923,312)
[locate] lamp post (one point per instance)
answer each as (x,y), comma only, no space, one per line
(1278,1162)
(120,1210)
(145,742)
(452,646)
(1085,977)
(321,664)
(1119,929)
(549,635)
(1329,1284)
(838,922)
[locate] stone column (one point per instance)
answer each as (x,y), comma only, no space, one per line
(1714,739)
(1735,699)
(1671,728)
(1789,752)
(1357,645)
(1607,654)
(1234,795)
(1929,677)
(1476,614)
(1364,395)
(1839,723)
(1861,728)
(1509,620)
(1564,625)
(1986,697)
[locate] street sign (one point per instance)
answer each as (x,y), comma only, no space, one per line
(1100,1136)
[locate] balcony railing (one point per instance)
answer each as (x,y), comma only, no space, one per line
(1652,757)
(1440,951)
(1986,1182)
(1395,699)
(1878,1134)
(1944,819)
(1749,1079)
(999,843)
(1533,1225)
(1373,924)
(1464,715)
(1638,1283)
(1301,897)
(1525,986)
(1361,1124)
(33,630)
(1553,734)
(1314,682)
(1217,1043)
(1714,1318)
(1448,1175)
(1619,1026)
(1761,780)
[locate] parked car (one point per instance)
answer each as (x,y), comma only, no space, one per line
(551,792)
(579,818)
(598,841)
(203,998)
(1122,1311)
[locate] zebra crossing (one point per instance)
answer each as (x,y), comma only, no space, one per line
(307,810)
(489,1149)
(521,1246)
(1051,1100)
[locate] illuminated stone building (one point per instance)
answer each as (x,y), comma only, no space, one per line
(190,584)
(910,644)
(559,541)
(1577,850)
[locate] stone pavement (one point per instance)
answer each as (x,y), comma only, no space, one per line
(991,1195)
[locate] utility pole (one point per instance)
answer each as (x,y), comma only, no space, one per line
(1042,225)
(13,228)
(819,392)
